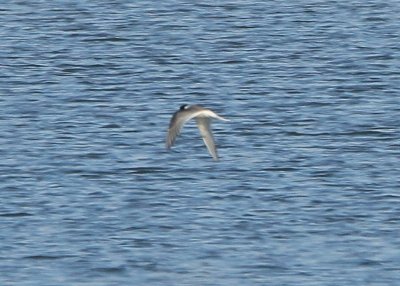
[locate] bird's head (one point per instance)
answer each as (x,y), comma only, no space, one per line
(183,107)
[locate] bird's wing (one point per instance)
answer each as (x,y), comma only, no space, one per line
(204,125)
(176,124)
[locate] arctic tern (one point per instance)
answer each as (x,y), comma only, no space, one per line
(203,118)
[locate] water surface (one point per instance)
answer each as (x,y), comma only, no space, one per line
(307,188)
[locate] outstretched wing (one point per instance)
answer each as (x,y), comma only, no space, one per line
(204,125)
(175,126)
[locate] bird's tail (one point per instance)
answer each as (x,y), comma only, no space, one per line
(221,118)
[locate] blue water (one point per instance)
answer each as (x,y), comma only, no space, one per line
(307,189)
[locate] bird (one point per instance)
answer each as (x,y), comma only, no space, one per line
(203,118)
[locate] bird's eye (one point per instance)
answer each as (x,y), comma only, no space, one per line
(183,107)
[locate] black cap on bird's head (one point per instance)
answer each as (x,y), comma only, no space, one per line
(183,107)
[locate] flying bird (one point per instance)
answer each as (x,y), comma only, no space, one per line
(203,118)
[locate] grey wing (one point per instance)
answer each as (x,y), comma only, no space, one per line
(175,126)
(204,125)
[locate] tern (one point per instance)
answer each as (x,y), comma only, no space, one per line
(203,118)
